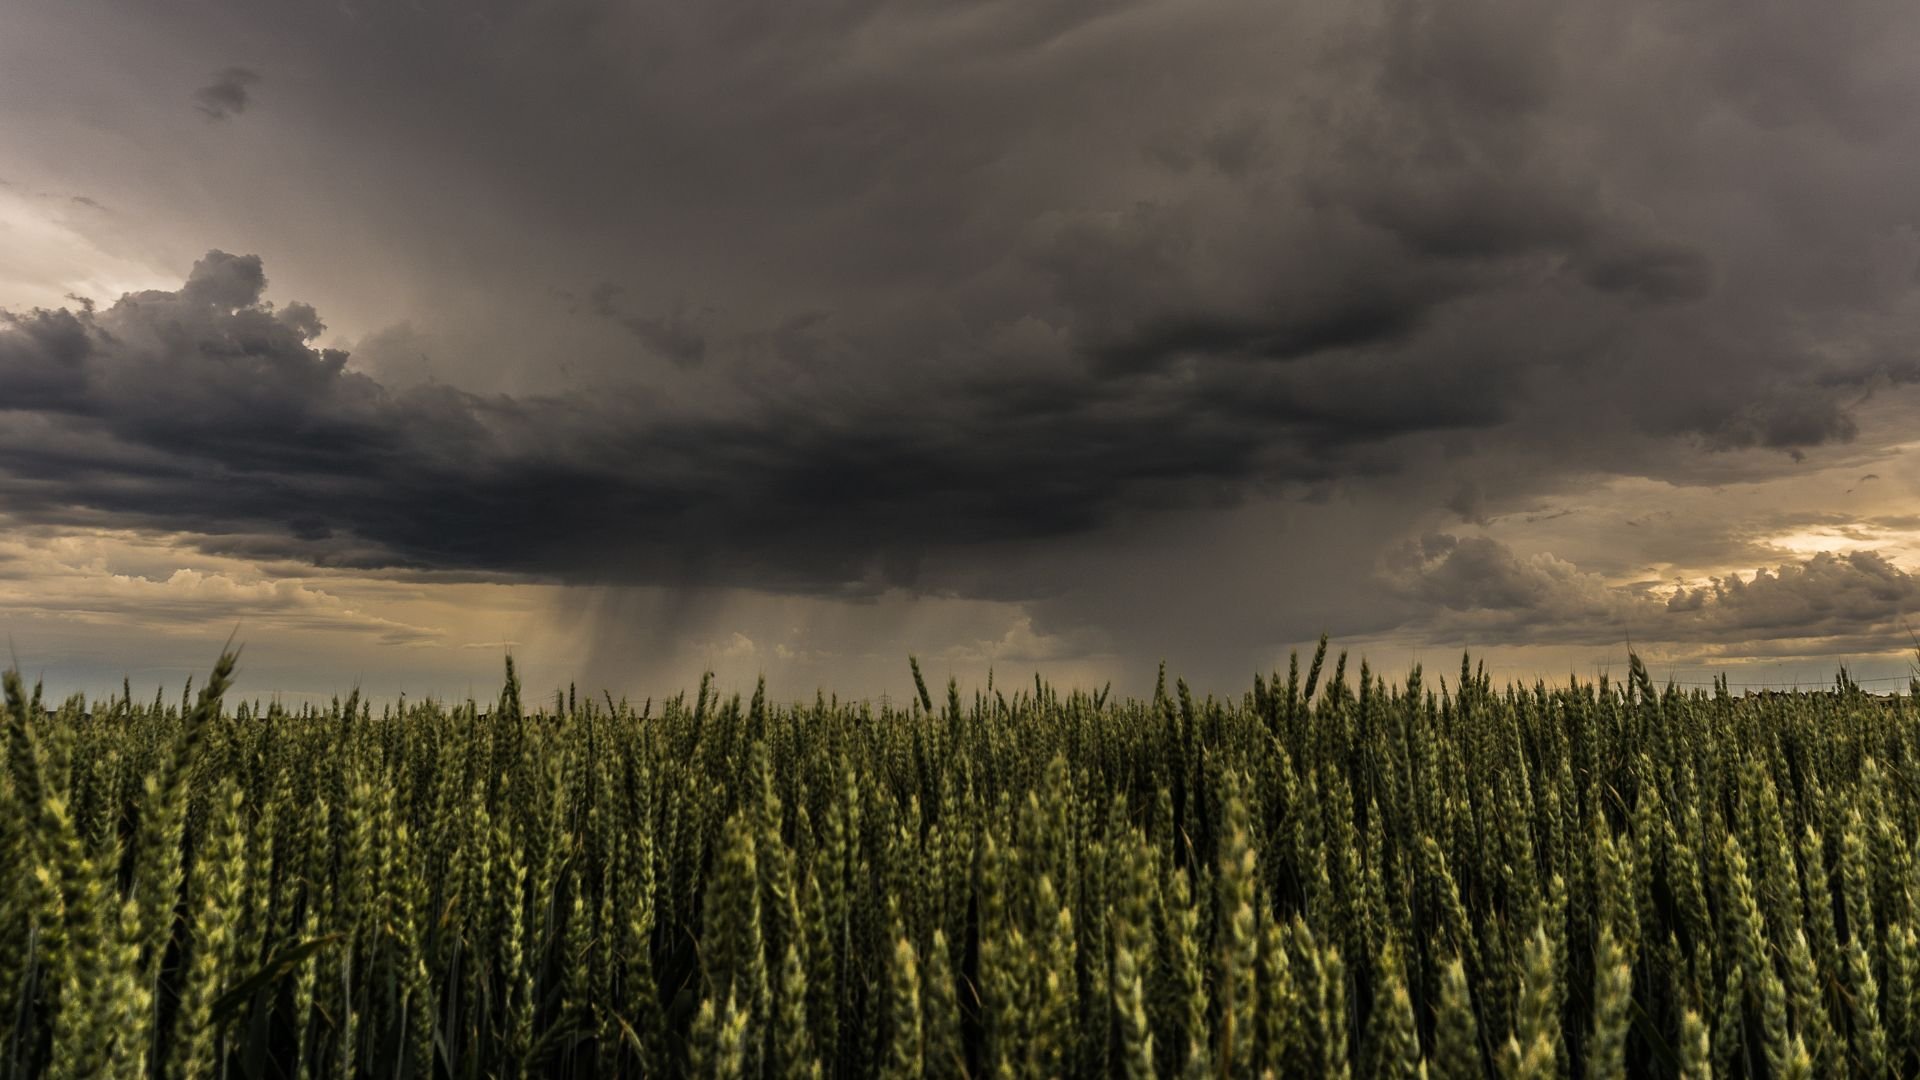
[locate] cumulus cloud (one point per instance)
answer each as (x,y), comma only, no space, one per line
(1481,579)
(1022,644)
(1826,594)
(1480,588)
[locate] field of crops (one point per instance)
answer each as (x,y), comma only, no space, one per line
(1327,877)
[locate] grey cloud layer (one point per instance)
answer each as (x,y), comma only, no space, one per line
(1481,210)
(862,293)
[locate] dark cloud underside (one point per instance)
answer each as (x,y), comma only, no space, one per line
(208,411)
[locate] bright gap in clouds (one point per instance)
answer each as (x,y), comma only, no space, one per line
(46,259)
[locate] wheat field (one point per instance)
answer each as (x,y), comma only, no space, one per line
(1329,876)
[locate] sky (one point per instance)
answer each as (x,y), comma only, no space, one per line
(643,339)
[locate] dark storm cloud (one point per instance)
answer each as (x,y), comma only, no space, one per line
(228,94)
(209,411)
(956,278)
(1502,204)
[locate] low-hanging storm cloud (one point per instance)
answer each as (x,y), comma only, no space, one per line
(207,411)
